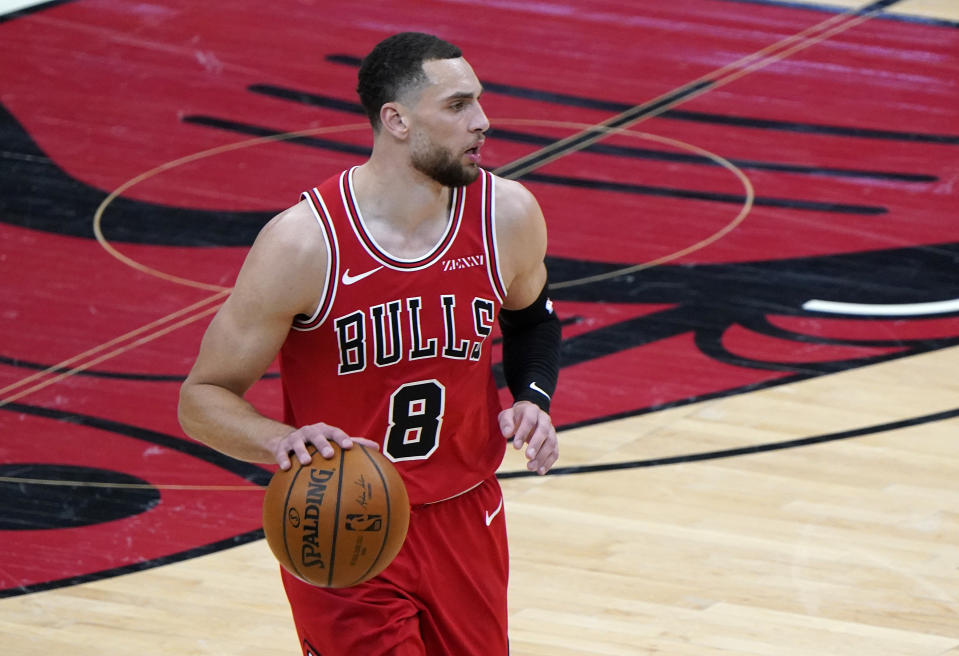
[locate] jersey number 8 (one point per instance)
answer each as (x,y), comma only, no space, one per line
(416,416)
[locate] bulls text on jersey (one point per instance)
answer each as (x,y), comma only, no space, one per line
(392,332)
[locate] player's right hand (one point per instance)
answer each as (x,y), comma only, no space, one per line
(319,435)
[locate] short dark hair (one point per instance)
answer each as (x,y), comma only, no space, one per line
(394,65)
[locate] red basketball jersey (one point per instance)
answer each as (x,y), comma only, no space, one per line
(398,350)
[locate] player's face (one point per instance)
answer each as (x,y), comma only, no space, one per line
(449,124)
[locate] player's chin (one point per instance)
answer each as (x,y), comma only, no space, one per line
(471,172)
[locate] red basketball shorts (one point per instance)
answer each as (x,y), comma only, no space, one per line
(444,594)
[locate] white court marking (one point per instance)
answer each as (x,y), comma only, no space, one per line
(883,310)
(10,6)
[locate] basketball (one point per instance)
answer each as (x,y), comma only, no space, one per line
(338,522)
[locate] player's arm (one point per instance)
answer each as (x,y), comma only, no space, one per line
(277,282)
(531,330)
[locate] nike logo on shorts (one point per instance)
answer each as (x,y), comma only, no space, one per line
(349,280)
(499,508)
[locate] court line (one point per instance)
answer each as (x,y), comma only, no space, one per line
(221,291)
(618,124)
(604,467)
(139,566)
(882,310)
(748,200)
(149,337)
(613,125)
(745,450)
(128,486)
(180,161)
(133,333)
(714,79)
(11,9)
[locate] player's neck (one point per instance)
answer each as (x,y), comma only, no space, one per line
(399,194)
(406,211)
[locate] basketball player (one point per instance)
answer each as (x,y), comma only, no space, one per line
(380,290)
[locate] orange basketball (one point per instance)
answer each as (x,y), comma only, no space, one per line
(338,522)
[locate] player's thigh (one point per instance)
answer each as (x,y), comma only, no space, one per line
(370,619)
(465,575)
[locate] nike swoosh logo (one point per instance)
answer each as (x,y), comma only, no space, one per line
(349,280)
(499,508)
(536,388)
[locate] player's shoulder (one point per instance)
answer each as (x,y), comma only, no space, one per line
(513,199)
(290,243)
(292,219)
(518,213)
(293,228)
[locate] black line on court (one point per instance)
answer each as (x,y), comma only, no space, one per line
(260,131)
(260,476)
(257,534)
(348,60)
(736,199)
(581,183)
(832,9)
(879,5)
(764,326)
(515,136)
(36,366)
(700,117)
(589,135)
(95,373)
(789,379)
(307,98)
(26,11)
(253,473)
(811,128)
(634,152)
(194,552)
(743,451)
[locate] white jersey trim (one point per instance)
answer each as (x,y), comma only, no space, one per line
(490,241)
(383,256)
(325,302)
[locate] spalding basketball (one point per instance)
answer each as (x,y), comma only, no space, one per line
(338,522)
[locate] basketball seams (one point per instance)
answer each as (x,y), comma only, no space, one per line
(336,517)
(389,516)
(331,522)
(286,510)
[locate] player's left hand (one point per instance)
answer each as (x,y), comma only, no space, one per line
(526,423)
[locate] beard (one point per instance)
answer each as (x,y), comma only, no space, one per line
(441,165)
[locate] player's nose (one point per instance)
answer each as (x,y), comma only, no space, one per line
(480,122)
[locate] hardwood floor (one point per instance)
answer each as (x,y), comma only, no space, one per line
(817,517)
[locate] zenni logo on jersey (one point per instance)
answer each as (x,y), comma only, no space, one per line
(464,262)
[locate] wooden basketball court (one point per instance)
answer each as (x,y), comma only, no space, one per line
(753,243)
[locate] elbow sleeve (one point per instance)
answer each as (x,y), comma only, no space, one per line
(531,341)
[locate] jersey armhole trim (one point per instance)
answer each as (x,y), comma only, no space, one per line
(489,237)
(325,303)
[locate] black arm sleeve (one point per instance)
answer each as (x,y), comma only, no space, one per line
(531,339)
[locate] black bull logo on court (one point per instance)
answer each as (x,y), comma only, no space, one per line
(705,300)
(769,321)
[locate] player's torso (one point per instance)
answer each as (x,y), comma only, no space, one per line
(398,350)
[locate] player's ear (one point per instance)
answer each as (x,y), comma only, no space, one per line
(393,118)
